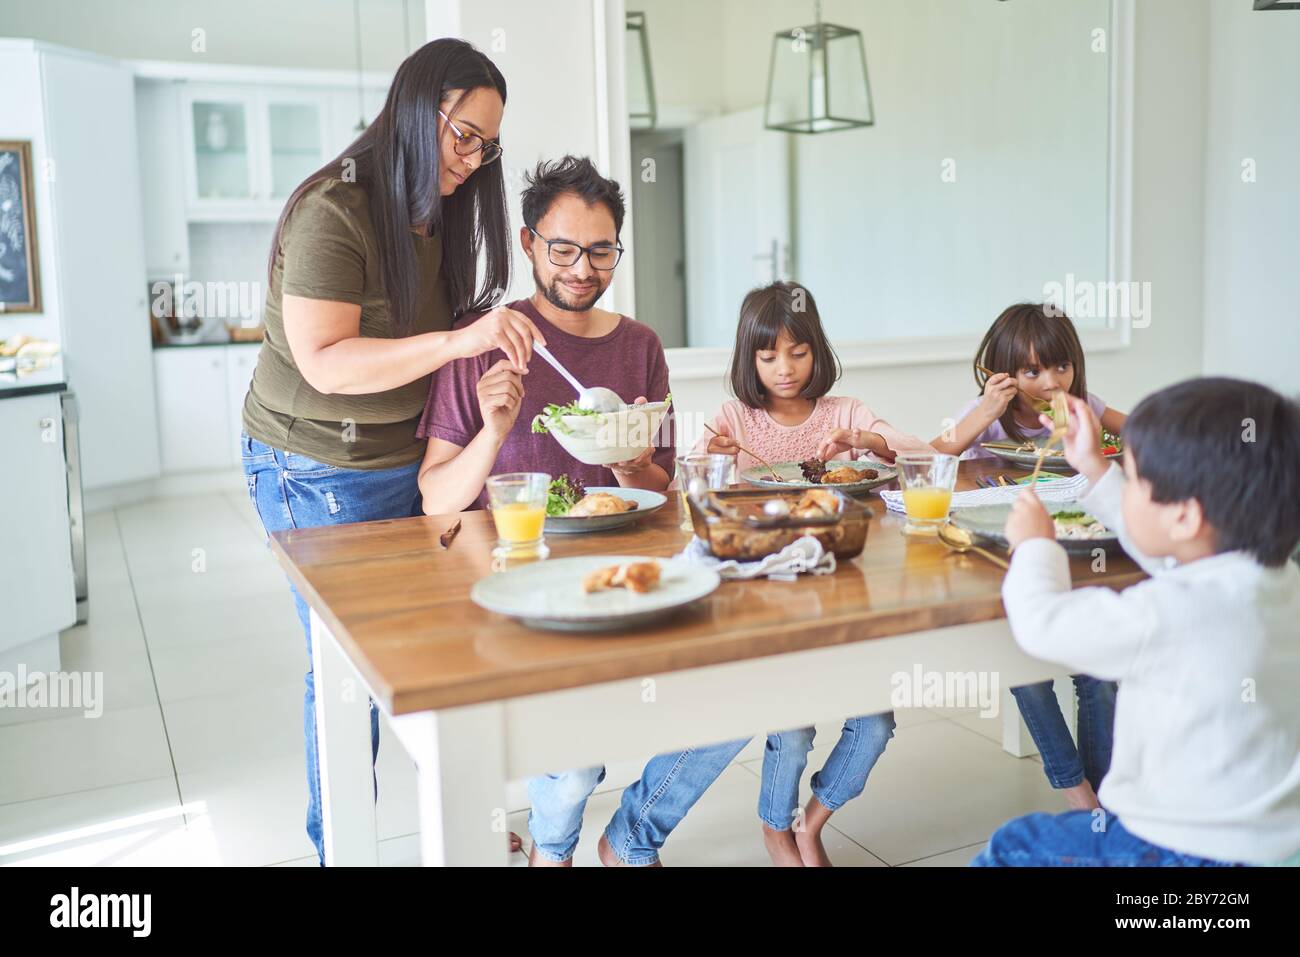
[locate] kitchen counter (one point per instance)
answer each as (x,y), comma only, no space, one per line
(50,379)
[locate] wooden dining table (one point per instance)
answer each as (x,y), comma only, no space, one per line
(479,699)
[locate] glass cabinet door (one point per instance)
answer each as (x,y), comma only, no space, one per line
(221,150)
(295,144)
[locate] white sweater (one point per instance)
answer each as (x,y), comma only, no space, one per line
(1206,759)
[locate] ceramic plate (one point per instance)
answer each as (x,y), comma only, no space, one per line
(988,521)
(646,502)
(1053,463)
(791,476)
(549,595)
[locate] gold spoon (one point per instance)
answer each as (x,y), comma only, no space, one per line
(762,461)
(962,541)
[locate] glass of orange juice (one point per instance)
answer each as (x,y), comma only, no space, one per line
(518,504)
(926,480)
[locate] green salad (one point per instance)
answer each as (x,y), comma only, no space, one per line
(563,494)
(552,415)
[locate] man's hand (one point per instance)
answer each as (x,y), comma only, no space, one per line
(500,394)
(1028,519)
(641,462)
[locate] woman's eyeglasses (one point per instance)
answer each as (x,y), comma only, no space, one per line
(562,252)
(467,144)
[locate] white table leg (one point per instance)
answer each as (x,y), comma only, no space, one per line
(343,745)
(460,755)
(1064,688)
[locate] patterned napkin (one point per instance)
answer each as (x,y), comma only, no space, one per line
(802,555)
(1066,490)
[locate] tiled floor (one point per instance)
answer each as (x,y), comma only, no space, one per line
(197,758)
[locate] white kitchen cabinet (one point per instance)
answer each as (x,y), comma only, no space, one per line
(162,179)
(241,360)
(192,410)
(37,586)
(246,149)
(201,392)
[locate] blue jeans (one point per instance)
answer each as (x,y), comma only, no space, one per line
(1073,839)
(841,779)
(292,491)
(649,810)
(1065,765)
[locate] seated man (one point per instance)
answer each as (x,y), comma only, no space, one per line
(478,422)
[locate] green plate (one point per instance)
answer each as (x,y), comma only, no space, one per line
(791,476)
(548,594)
(646,502)
(988,522)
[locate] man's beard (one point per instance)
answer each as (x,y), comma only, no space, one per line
(554,295)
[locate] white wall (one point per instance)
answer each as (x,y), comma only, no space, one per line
(1172,42)
(317,34)
(1252,234)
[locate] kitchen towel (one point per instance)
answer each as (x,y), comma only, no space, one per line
(1066,490)
(802,555)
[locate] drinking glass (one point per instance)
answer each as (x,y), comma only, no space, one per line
(926,480)
(707,470)
(518,504)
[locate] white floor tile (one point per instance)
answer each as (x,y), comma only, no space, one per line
(47,758)
(53,822)
(958,858)
(217,667)
(242,727)
(255,812)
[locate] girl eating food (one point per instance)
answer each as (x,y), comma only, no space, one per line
(782,370)
(1031,353)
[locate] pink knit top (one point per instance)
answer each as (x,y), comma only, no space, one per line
(759,432)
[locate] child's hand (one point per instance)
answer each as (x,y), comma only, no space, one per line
(1082,439)
(834,442)
(1028,519)
(999,390)
(723,443)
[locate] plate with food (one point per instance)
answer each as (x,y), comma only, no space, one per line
(1025,453)
(854,478)
(603,438)
(595,592)
(572,508)
(1077,531)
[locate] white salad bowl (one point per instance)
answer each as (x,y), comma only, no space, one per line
(604,438)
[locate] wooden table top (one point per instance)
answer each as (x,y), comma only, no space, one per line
(399,604)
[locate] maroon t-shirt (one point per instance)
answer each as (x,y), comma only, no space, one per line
(629,360)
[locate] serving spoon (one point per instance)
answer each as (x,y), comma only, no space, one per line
(961,541)
(595,399)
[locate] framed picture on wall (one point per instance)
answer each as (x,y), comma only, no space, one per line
(20,276)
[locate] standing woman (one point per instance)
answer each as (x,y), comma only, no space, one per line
(374,257)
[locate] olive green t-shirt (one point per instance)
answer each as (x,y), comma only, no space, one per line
(328,251)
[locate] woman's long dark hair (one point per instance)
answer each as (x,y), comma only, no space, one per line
(398,162)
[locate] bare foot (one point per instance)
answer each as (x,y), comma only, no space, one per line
(808,836)
(516,842)
(1081,797)
(610,859)
(536,860)
(781,848)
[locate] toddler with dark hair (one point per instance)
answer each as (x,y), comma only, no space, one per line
(1205,769)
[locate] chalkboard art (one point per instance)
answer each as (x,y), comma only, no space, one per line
(20,279)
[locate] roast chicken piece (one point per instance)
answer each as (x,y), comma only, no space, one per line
(639,577)
(815,503)
(846,473)
(600,503)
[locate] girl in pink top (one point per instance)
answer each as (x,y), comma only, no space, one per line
(781,370)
